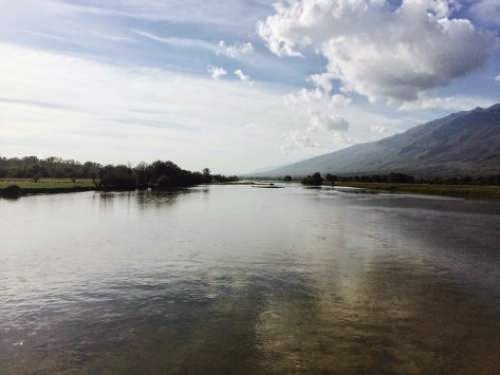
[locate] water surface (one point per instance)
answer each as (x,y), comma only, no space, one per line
(238,280)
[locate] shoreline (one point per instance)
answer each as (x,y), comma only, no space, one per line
(482,192)
(63,186)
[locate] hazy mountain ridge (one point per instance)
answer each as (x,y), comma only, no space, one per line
(466,143)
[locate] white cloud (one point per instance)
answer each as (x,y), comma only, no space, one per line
(299,141)
(448,103)
(340,101)
(328,122)
(337,124)
(320,109)
(317,98)
(223,12)
(379,129)
(216,72)
(234,51)
(243,77)
(322,81)
(323,128)
(497,78)
(309,144)
(177,42)
(376,50)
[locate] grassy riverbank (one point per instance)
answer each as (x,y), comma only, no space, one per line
(48,185)
(461,191)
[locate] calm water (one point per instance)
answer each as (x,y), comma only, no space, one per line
(240,280)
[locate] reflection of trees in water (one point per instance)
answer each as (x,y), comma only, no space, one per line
(146,198)
(106,199)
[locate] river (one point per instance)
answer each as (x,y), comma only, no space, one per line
(241,280)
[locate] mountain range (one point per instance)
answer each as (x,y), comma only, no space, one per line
(463,143)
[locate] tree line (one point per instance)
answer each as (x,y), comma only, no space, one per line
(317,179)
(157,175)
(443,180)
(52,167)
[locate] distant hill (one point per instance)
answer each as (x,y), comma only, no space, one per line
(463,143)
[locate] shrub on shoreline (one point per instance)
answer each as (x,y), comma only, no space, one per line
(314,180)
(12,191)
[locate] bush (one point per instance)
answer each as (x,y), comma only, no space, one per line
(12,191)
(164,183)
(117,177)
(224,179)
(331,178)
(314,180)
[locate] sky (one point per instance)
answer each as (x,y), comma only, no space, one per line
(235,85)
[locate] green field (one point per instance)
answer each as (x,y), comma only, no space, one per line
(46,183)
(462,191)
